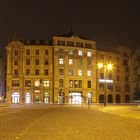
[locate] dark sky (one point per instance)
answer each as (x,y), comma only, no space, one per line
(110,22)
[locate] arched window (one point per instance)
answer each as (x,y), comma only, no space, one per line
(46,98)
(15,98)
(118,99)
(101,98)
(127,98)
(110,99)
(27,98)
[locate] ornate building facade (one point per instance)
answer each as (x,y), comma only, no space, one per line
(2,79)
(65,70)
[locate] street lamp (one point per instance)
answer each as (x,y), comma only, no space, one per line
(106,67)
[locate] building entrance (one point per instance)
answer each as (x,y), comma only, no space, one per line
(15,97)
(27,98)
(75,98)
(46,98)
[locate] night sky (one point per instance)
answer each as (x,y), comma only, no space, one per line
(110,22)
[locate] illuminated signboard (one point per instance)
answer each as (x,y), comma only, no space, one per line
(105,81)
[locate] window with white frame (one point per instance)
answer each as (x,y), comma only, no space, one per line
(61,61)
(89,54)
(70,72)
(89,73)
(80,53)
(70,61)
(79,72)
(46,83)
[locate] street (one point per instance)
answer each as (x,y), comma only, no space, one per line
(64,122)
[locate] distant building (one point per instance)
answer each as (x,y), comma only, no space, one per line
(2,78)
(64,70)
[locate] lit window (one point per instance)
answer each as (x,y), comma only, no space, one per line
(79,72)
(70,72)
(37,83)
(89,54)
(88,73)
(61,61)
(80,53)
(46,83)
(70,61)
(75,83)
(71,83)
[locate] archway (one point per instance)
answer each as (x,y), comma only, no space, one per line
(127,99)
(75,98)
(118,99)
(110,98)
(27,98)
(46,98)
(101,98)
(15,98)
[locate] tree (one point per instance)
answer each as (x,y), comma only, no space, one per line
(135,75)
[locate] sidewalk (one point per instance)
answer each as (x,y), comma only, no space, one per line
(4,105)
(127,111)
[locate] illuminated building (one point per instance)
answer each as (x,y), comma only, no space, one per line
(64,70)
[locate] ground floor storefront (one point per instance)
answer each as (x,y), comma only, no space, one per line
(72,97)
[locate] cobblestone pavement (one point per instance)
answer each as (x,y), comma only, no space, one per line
(58,122)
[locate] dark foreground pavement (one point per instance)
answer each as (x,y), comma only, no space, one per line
(56,122)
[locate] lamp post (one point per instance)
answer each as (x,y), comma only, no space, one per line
(106,67)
